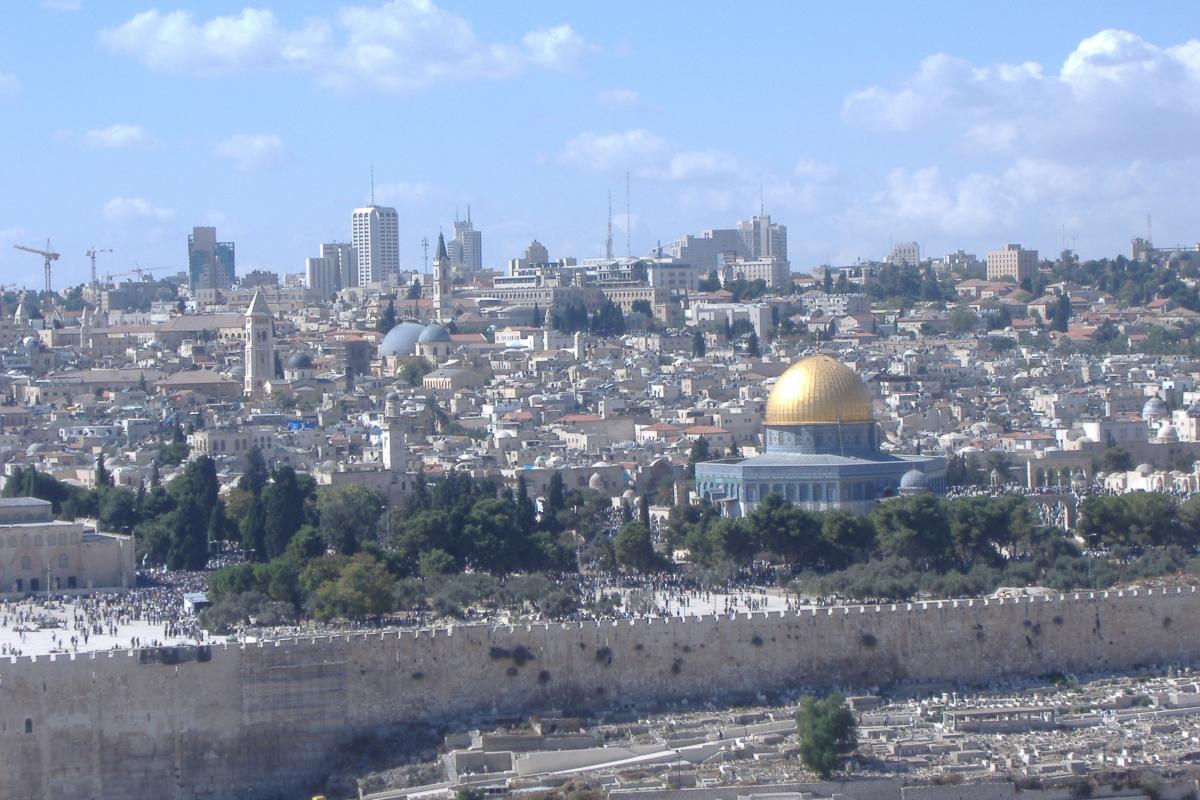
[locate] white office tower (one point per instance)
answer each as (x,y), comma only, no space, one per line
(344,257)
(441,282)
(763,238)
(321,278)
(260,346)
(375,234)
(466,249)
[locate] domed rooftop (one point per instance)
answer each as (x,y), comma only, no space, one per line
(914,482)
(434,333)
(1155,407)
(818,389)
(401,340)
(300,361)
(596,482)
(1168,434)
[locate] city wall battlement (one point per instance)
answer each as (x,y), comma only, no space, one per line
(264,719)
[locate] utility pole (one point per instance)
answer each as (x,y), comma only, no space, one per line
(608,241)
(628,248)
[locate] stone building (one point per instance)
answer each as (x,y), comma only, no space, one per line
(39,553)
(822,449)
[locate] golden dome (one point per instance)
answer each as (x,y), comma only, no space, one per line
(818,389)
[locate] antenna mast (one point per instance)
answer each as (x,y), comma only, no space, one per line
(372,186)
(1149,231)
(628,248)
(608,241)
(425,250)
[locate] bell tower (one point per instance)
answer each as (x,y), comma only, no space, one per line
(441,281)
(260,346)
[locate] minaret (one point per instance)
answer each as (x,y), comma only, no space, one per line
(85,329)
(260,346)
(441,281)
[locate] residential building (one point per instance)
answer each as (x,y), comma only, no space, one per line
(344,257)
(1012,262)
(375,234)
(905,253)
(321,277)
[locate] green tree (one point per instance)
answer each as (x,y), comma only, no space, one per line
(254,529)
(634,548)
(254,471)
(349,516)
(698,346)
(827,731)
(698,455)
(1116,459)
(283,502)
(414,290)
(387,320)
(103,477)
(752,348)
(962,320)
(916,528)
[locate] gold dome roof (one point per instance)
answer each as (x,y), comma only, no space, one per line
(818,389)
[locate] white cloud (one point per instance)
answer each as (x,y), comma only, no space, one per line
(1115,95)
(122,209)
(693,164)
(251,151)
(559,47)
(402,45)
(9,84)
(635,149)
(619,98)
(118,136)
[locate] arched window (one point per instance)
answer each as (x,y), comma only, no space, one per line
(26,564)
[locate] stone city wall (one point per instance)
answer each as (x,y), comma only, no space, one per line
(263,720)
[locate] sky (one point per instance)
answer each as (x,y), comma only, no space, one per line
(856,124)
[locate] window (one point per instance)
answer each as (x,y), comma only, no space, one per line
(63,562)
(26,564)
(28,726)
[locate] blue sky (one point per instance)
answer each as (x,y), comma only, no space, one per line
(956,124)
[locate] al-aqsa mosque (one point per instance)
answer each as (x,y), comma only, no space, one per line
(822,450)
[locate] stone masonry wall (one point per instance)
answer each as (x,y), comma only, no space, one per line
(261,720)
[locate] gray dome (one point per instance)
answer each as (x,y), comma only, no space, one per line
(914,482)
(434,333)
(1154,407)
(300,361)
(401,340)
(393,397)
(596,482)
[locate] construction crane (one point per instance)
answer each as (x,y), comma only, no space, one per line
(139,271)
(48,254)
(92,253)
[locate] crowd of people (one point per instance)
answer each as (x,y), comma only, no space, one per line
(117,619)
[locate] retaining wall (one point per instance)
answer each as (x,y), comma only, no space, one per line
(262,720)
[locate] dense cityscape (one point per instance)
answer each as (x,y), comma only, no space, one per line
(425,514)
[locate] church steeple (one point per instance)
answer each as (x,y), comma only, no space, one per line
(260,345)
(441,281)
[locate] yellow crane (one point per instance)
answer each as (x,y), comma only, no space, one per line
(47,254)
(92,253)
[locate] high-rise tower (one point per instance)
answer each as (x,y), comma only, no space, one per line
(375,234)
(260,346)
(441,281)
